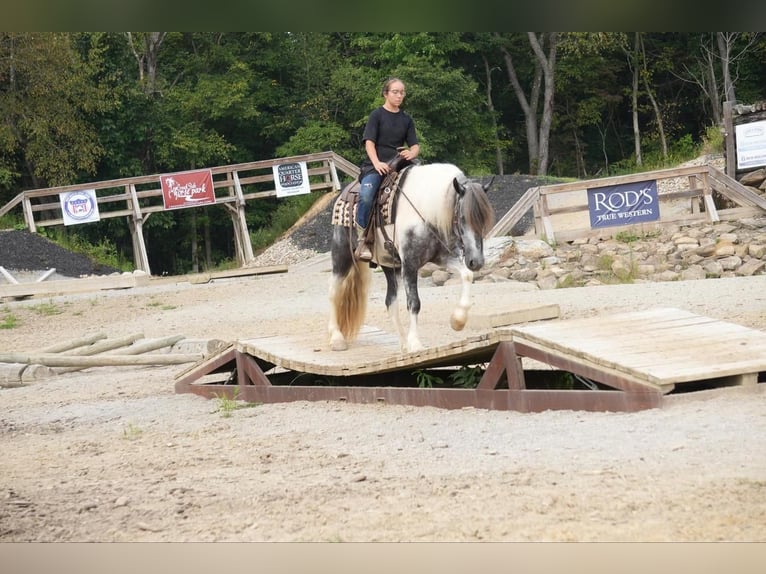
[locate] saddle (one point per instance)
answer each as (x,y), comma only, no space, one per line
(383,212)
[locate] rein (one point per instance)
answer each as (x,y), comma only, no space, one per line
(457,230)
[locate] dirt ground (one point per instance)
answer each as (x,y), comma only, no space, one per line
(114,454)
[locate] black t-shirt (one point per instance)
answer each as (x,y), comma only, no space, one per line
(389,131)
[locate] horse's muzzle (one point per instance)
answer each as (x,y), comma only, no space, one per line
(474,263)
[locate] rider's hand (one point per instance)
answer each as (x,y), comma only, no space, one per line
(381,168)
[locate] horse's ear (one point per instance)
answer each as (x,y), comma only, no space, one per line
(488,185)
(459,186)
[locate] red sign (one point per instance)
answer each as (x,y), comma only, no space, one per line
(187,189)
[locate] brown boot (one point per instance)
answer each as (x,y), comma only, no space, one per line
(362,251)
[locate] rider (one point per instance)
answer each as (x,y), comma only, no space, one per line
(388,128)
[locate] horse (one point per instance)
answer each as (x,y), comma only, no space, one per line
(439,215)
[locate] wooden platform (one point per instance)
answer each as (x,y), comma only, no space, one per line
(656,348)
(630,359)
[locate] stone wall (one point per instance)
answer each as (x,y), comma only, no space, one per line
(699,251)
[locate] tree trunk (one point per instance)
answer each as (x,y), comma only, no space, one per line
(653,100)
(491,108)
(194,246)
(548,66)
(633,62)
(530,115)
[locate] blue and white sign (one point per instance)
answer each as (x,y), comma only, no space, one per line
(623,204)
(79,206)
(751,144)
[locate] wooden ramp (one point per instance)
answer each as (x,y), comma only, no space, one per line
(627,362)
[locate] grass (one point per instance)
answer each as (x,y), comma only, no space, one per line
(47,309)
(162,306)
(131,432)
(227,405)
(9,321)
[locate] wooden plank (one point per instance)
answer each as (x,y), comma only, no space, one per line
(199,278)
(124,281)
(521,314)
(375,351)
(661,346)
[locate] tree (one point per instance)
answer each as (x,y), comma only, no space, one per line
(48,100)
(538,112)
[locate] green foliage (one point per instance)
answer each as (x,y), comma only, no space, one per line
(713,141)
(47,309)
(467,376)
(103,252)
(227,405)
(288,211)
(8,320)
(427,380)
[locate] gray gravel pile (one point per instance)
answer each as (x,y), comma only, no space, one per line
(22,250)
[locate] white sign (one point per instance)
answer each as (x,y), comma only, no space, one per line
(291,179)
(79,206)
(751,144)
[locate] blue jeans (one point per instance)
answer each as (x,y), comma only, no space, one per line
(369,185)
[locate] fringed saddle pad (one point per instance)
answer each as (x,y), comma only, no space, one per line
(344,209)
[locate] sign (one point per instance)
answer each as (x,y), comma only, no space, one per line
(751,144)
(187,189)
(623,204)
(291,179)
(79,206)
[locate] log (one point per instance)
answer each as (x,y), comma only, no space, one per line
(61,347)
(108,345)
(134,349)
(85,361)
(153,345)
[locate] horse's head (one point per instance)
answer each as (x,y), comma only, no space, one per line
(474,218)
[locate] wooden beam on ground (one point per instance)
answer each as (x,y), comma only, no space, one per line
(198,278)
(479,320)
(69,345)
(85,361)
(65,286)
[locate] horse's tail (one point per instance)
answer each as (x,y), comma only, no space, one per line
(349,299)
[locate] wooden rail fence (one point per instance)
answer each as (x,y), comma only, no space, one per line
(136,198)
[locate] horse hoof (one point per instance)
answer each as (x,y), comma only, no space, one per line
(338,345)
(458,319)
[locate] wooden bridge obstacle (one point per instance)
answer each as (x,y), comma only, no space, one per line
(629,361)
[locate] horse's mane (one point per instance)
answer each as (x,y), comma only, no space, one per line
(432,193)
(433,196)
(478,211)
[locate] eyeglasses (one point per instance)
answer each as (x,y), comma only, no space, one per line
(398,92)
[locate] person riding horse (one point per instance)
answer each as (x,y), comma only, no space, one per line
(387,131)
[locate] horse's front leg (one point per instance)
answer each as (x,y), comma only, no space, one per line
(392,305)
(410,278)
(459,315)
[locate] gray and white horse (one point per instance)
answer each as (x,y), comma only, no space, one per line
(440,216)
